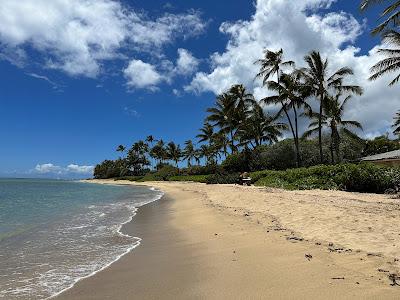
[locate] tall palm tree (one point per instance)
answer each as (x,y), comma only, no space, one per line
(206,133)
(259,128)
(396,124)
(292,93)
(189,152)
(332,118)
(391,13)
(174,152)
(317,78)
(272,64)
(150,140)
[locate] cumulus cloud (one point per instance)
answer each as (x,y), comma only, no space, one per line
(142,75)
(77,36)
(71,169)
(186,63)
(307,26)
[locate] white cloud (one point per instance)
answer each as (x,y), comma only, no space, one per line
(71,169)
(48,168)
(142,75)
(305,28)
(78,36)
(186,63)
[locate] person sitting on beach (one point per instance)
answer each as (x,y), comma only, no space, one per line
(245,179)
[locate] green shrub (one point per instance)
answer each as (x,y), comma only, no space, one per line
(149,177)
(129,178)
(194,178)
(223,178)
(366,178)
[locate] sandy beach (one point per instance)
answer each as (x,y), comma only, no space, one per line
(231,242)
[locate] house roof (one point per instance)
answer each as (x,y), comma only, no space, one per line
(383,156)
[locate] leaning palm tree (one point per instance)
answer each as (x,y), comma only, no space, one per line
(292,93)
(189,152)
(332,118)
(396,124)
(391,13)
(272,65)
(388,28)
(317,78)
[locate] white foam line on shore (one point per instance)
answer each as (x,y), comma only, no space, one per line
(158,197)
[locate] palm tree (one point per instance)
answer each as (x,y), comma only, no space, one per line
(291,94)
(206,133)
(150,140)
(121,148)
(260,127)
(392,61)
(223,115)
(230,111)
(158,151)
(332,118)
(317,78)
(391,12)
(242,98)
(221,142)
(272,64)
(205,152)
(174,152)
(189,152)
(390,35)
(396,124)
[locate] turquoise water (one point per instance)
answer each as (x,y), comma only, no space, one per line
(53,233)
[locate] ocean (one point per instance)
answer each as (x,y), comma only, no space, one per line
(54,233)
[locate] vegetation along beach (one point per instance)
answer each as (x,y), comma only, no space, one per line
(200,151)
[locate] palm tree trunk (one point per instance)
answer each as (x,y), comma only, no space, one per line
(232,142)
(296,139)
(291,127)
(321,155)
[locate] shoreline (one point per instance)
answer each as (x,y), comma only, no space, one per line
(121,232)
(327,273)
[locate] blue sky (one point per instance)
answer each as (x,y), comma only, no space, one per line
(64,105)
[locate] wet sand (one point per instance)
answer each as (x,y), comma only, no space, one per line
(227,242)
